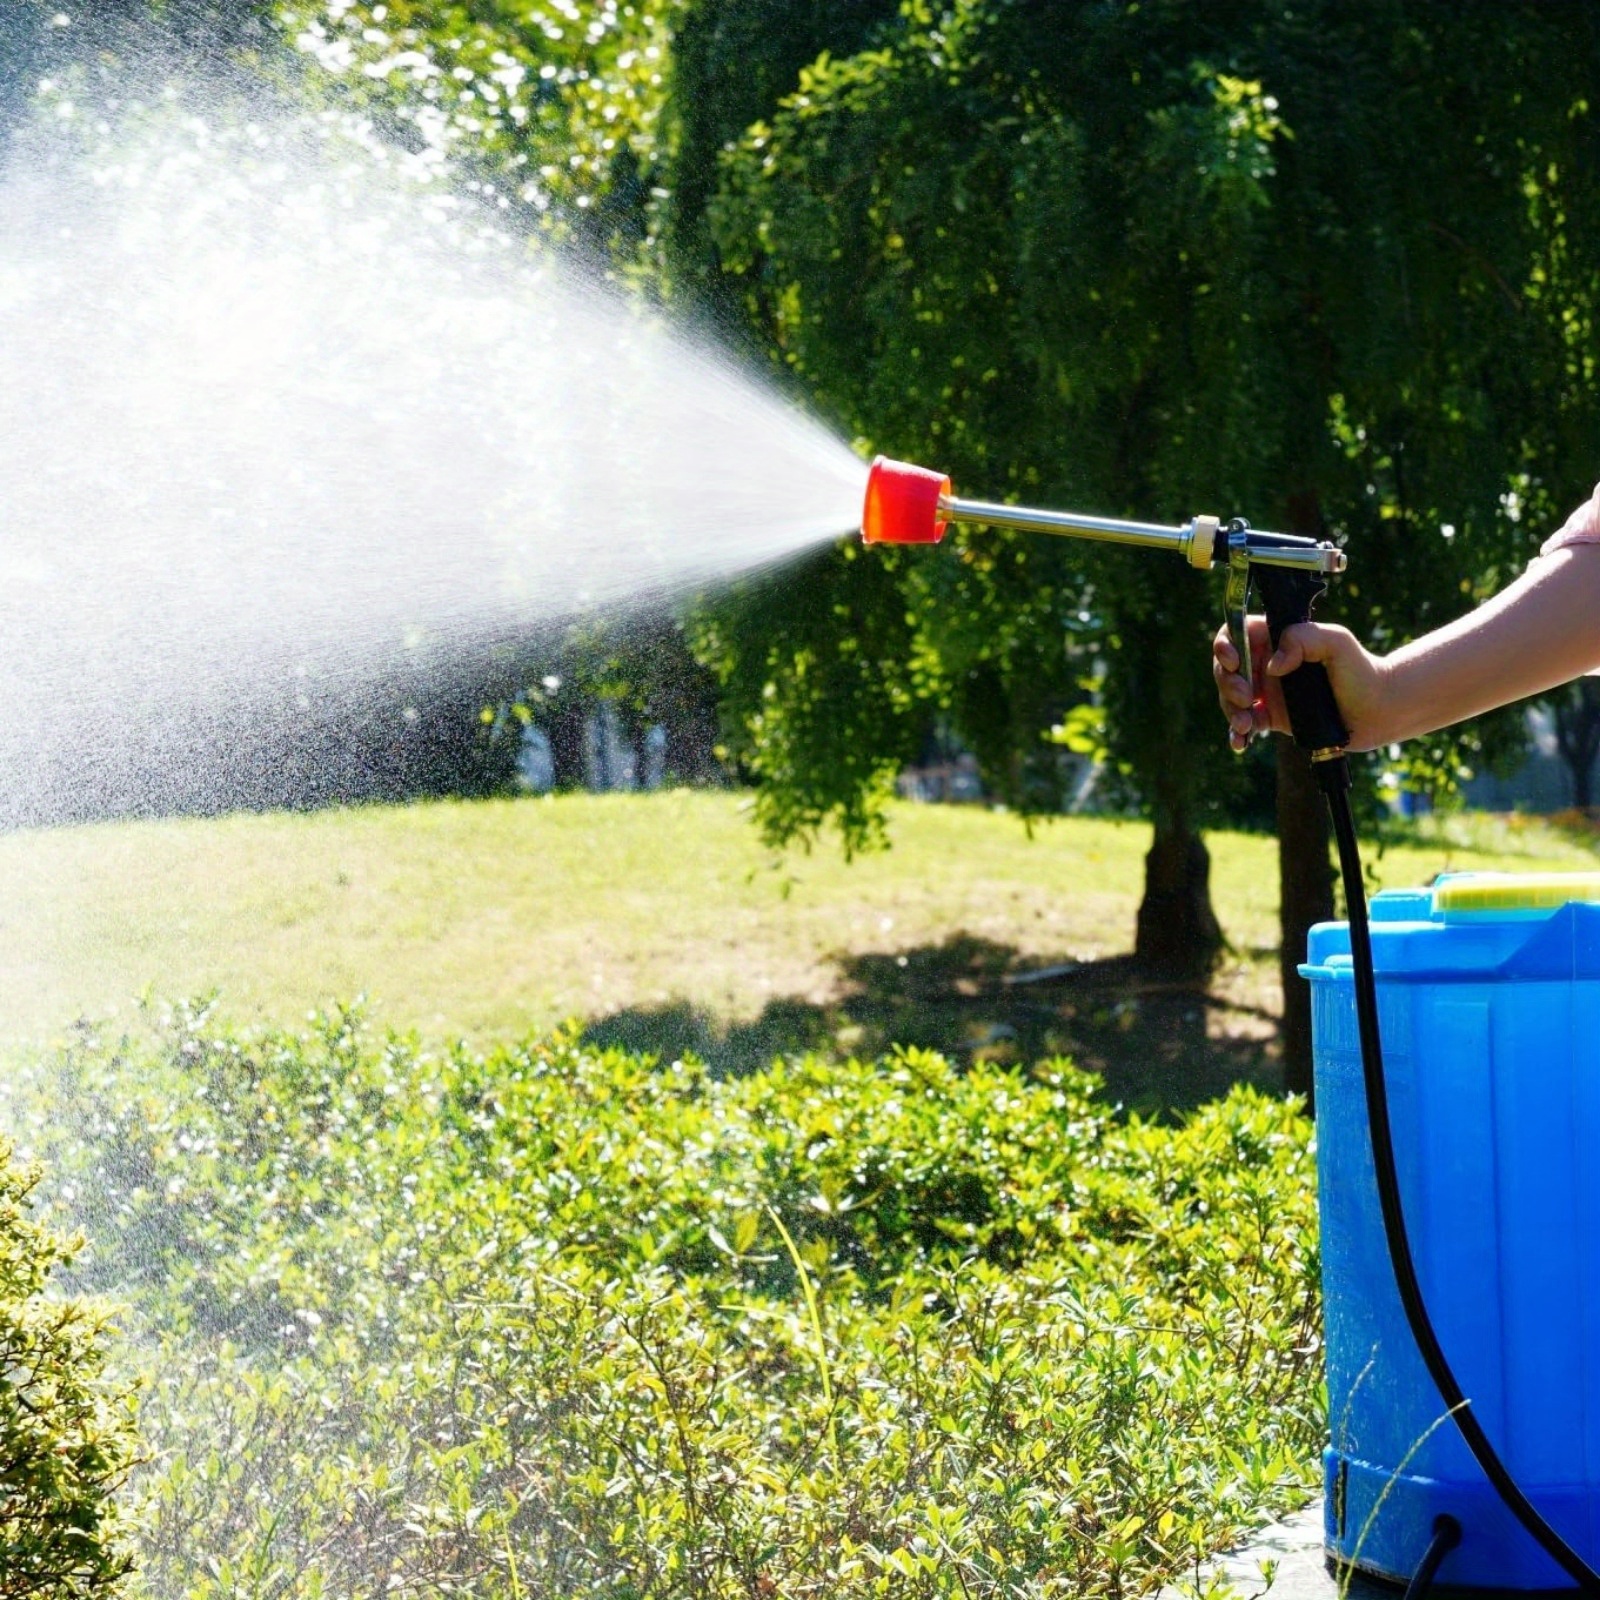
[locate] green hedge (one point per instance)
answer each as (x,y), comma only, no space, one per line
(554,1321)
(66,1433)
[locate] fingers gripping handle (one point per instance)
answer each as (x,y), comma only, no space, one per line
(1288,595)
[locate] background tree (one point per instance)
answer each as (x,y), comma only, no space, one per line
(1293,260)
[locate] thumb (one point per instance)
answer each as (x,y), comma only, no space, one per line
(1303,642)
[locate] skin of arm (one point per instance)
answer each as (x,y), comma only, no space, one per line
(1543,630)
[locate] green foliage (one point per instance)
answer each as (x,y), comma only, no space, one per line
(554,103)
(838,713)
(552,1321)
(66,1430)
(732,63)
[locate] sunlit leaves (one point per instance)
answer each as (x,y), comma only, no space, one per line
(556,103)
(66,1435)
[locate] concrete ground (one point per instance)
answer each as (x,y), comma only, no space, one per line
(1299,1571)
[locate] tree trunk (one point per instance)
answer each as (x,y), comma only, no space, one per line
(1305,896)
(635,728)
(1305,874)
(1177,937)
(1577,718)
(564,728)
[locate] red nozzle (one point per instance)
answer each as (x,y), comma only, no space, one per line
(903,504)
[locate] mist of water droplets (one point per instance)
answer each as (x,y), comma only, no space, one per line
(276,427)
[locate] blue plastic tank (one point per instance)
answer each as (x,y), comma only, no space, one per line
(1489,1007)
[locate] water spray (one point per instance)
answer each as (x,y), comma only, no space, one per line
(907,504)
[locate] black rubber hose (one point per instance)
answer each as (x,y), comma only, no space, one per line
(1334,778)
(1446,1536)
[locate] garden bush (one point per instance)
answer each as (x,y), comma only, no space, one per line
(551,1320)
(66,1433)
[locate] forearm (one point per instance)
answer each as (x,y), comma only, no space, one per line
(1542,631)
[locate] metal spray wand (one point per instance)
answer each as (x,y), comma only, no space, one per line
(907,504)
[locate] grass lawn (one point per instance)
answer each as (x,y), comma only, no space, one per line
(661,922)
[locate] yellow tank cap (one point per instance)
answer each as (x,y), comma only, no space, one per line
(1468,892)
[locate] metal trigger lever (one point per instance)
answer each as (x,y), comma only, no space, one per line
(1236,596)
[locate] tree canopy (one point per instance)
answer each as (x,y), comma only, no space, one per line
(1326,266)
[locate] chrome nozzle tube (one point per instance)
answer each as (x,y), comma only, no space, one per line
(1146,535)
(1202,542)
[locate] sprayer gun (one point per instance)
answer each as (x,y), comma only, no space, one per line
(906,504)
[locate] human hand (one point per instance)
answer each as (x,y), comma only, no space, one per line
(1357,677)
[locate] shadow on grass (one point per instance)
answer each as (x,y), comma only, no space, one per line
(1159,1047)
